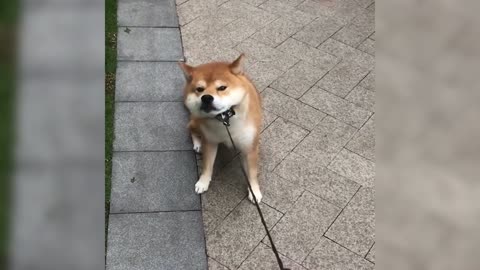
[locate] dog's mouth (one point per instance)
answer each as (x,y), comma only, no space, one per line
(207,108)
(212,110)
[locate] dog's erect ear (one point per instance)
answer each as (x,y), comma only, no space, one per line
(237,66)
(187,70)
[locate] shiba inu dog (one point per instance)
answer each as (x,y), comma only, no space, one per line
(215,88)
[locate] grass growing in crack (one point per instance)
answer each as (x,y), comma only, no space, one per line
(8,16)
(110,70)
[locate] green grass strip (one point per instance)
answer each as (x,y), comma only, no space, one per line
(110,70)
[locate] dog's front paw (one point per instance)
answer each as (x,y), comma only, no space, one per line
(197,147)
(258,195)
(202,185)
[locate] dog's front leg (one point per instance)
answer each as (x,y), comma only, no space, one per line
(252,166)
(209,153)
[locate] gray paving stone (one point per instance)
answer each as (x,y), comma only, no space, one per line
(322,9)
(317,179)
(347,10)
(287,11)
(292,3)
(194,59)
(363,143)
(262,75)
(253,2)
(228,55)
(239,30)
(263,258)
(362,98)
(366,18)
(363,202)
(209,54)
(201,29)
(355,227)
(368,46)
(224,157)
(364,3)
(297,80)
(235,238)
(268,118)
(353,34)
(328,255)
(371,254)
(221,198)
(232,175)
(297,233)
(371,8)
(354,167)
(347,53)
(179,2)
(325,141)
(335,106)
(257,16)
(277,141)
(331,9)
(210,221)
(149,81)
(319,59)
(267,55)
(54,225)
(145,182)
(168,240)
(318,31)
(214,265)
(82,131)
(291,109)
(277,32)
(280,193)
(249,62)
(147,13)
(372,36)
(192,9)
(369,81)
(149,44)
(341,12)
(237,12)
(151,126)
(342,78)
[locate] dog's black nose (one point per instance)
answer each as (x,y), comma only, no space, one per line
(207,99)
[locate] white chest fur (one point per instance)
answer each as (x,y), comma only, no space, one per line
(243,132)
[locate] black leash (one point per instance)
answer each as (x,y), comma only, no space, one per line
(225,119)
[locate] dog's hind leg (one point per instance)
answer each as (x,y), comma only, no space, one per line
(208,158)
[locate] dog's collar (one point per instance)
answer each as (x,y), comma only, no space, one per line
(225,116)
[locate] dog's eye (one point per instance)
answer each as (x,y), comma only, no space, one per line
(199,89)
(221,88)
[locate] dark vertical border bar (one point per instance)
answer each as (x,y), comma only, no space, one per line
(8,24)
(110,71)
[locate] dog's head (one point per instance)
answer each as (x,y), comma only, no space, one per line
(213,88)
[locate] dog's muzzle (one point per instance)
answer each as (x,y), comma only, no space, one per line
(207,103)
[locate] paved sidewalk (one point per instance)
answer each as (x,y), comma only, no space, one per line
(313,61)
(155,215)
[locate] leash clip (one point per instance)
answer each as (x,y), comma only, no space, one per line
(225,116)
